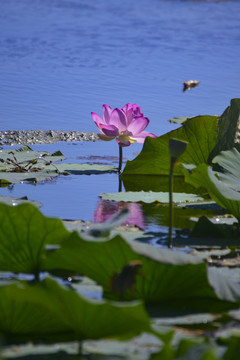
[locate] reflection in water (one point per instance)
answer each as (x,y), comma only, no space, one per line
(105,209)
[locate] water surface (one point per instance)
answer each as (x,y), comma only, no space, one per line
(62,59)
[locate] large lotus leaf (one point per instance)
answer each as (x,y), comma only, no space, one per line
(24,234)
(164,275)
(227,134)
(156,183)
(151,197)
(230,162)
(154,159)
(204,176)
(49,311)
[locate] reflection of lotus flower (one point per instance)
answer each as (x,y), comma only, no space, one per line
(106,209)
(126,125)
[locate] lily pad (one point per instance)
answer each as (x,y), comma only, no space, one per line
(25,165)
(85,169)
(151,197)
(25,154)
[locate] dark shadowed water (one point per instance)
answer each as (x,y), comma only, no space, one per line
(62,59)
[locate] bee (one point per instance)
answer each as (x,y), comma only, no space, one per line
(190,84)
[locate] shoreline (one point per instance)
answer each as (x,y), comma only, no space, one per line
(30,137)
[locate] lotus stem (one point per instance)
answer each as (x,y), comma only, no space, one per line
(120,159)
(171,202)
(119,183)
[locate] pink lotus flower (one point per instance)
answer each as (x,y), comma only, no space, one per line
(126,125)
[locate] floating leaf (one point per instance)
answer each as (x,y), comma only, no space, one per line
(150,197)
(25,154)
(85,169)
(25,165)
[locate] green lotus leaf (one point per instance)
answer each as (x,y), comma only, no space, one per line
(230,163)
(151,197)
(227,198)
(227,135)
(25,154)
(156,183)
(164,275)
(47,172)
(154,159)
(25,165)
(29,177)
(85,169)
(49,311)
(24,234)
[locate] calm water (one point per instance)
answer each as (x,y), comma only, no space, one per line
(62,59)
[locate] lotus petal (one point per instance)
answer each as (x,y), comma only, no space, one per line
(107,110)
(138,125)
(118,119)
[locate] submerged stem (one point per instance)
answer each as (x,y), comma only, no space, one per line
(120,159)
(119,183)
(170,202)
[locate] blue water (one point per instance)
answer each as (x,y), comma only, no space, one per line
(62,59)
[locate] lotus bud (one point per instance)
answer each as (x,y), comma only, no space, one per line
(177,148)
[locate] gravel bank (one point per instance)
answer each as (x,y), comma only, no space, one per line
(29,137)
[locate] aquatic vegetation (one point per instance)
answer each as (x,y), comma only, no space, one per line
(140,287)
(176,149)
(126,125)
